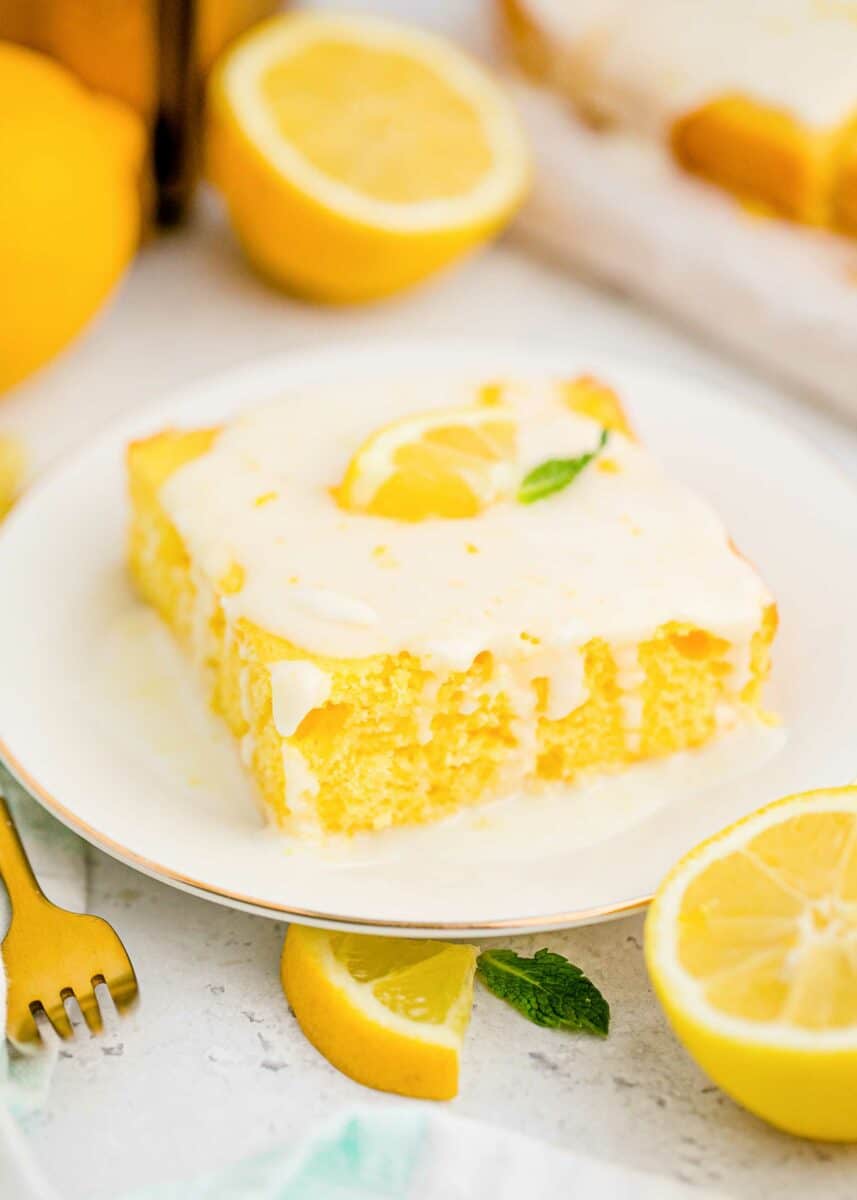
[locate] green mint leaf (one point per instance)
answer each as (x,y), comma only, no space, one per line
(556,474)
(547,989)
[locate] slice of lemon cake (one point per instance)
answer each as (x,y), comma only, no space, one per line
(757,96)
(414,597)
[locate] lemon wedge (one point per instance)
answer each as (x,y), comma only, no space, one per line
(751,943)
(357,156)
(448,463)
(391,1013)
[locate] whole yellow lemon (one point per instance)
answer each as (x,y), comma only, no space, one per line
(69,206)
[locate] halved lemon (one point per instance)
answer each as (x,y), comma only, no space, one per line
(391,1013)
(751,943)
(357,156)
(447,463)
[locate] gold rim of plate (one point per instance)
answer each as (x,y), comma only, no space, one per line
(582,916)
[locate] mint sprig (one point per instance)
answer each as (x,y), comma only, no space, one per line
(556,473)
(547,989)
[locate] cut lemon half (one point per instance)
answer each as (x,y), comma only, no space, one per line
(390,1013)
(751,943)
(447,463)
(357,156)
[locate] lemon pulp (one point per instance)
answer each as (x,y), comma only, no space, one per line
(391,1013)
(752,946)
(441,464)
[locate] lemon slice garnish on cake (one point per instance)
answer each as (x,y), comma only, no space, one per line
(751,943)
(391,1013)
(356,155)
(447,463)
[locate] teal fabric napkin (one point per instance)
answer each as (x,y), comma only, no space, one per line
(367,1154)
(418,1152)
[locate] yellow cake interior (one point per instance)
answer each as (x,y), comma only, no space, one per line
(397,741)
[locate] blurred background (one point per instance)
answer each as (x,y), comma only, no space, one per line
(698,242)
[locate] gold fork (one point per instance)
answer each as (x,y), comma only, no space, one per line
(51,955)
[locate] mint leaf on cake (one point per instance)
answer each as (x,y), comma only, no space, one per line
(547,989)
(557,473)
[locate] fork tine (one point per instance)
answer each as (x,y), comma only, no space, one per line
(58,1017)
(124,990)
(88,1002)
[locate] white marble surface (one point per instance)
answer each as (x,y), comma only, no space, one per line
(212,1066)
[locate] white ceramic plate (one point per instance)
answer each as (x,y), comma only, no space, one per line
(100,721)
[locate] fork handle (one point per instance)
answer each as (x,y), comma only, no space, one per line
(15,869)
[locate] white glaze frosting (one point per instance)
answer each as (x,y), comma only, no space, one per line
(297,687)
(644,65)
(615,555)
(301,787)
